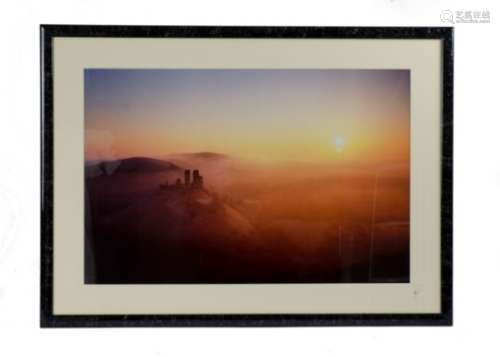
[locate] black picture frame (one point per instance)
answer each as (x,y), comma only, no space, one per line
(49,319)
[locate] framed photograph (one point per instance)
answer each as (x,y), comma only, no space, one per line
(246,176)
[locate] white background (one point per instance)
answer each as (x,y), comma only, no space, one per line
(477,184)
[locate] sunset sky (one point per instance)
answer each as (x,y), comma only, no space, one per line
(303,115)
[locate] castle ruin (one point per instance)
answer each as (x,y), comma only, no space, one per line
(195,183)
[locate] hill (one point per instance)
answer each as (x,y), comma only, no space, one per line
(205,155)
(131,165)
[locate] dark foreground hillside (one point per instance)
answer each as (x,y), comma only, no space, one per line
(137,232)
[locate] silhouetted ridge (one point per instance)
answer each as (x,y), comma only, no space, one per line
(135,165)
(206,155)
(144,164)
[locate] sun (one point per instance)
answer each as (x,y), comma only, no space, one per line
(339,143)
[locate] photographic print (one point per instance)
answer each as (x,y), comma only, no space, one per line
(246,176)
(210,176)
